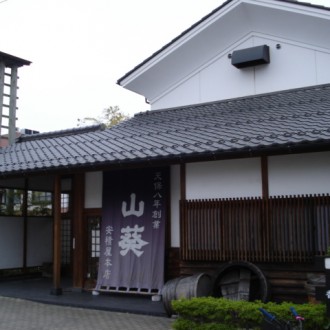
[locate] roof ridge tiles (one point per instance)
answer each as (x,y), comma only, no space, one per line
(61,133)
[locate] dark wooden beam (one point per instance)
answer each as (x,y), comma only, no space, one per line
(264,177)
(57,238)
(25,225)
(78,231)
(182,182)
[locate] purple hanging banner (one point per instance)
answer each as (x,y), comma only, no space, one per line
(133,231)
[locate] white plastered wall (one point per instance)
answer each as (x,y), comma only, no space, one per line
(93,189)
(292,65)
(11,242)
(40,241)
(224,179)
(39,230)
(299,174)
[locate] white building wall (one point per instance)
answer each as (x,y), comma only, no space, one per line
(39,241)
(299,174)
(93,189)
(11,242)
(322,67)
(224,179)
(293,65)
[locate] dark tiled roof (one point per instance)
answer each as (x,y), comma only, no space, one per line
(11,61)
(262,124)
(308,4)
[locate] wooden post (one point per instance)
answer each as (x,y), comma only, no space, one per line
(182,182)
(57,238)
(79,243)
(183,197)
(264,177)
(25,226)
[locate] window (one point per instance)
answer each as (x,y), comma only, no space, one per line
(39,203)
(65,203)
(11,202)
(94,240)
(66,241)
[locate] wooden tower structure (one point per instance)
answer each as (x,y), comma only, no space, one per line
(9,65)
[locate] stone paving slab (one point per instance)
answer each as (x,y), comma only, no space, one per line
(20,314)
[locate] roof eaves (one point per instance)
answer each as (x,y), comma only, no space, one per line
(13,61)
(119,81)
(256,151)
(172,42)
(194,155)
(307,4)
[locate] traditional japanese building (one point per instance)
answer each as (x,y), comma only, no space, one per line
(230,166)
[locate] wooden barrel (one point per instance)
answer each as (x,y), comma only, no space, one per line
(198,285)
(314,281)
(169,294)
(241,281)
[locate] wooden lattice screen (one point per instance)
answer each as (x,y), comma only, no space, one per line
(279,229)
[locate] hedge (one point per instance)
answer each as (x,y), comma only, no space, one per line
(219,314)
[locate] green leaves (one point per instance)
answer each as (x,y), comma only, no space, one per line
(219,313)
(110,116)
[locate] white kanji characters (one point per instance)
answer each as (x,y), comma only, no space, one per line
(157,214)
(131,240)
(107,251)
(157,195)
(158,185)
(156,224)
(108,240)
(107,262)
(108,230)
(107,274)
(157,203)
(132,210)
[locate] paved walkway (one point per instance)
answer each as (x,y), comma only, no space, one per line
(20,314)
(38,290)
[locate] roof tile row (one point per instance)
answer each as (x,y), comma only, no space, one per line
(271,120)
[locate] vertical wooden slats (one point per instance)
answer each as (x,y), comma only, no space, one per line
(281,229)
(183,230)
(265,232)
(223,252)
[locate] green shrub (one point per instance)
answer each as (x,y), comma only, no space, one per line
(183,324)
(220,313)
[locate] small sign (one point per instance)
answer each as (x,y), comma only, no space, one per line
(328,294)
(327,262)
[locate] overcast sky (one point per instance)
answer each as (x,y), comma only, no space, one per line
(80,48)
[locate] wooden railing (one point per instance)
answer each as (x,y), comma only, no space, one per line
(281,229)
